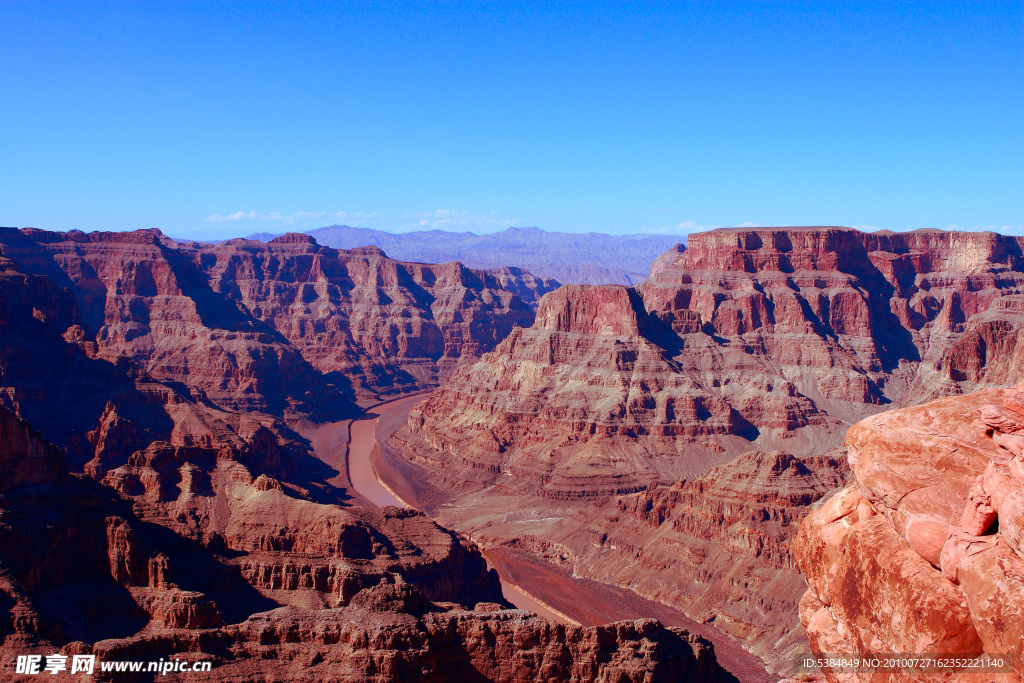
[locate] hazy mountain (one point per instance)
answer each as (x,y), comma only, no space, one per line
(588,258)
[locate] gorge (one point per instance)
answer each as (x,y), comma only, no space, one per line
(670,438)
(189,414)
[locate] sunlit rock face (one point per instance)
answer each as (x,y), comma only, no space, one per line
(923,553)
(279,327)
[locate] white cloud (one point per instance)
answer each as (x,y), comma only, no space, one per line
(237,216)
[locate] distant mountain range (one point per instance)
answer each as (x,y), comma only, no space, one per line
(582,258)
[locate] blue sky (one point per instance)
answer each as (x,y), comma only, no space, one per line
(221,119)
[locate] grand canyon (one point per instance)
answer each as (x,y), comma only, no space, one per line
(302,462)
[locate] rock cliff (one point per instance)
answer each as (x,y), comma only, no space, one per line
(766,339)
(95,404)
(923,553)
(777,337)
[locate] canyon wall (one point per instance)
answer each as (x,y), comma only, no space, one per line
(621,400)
(288,327)
(186,553)
(383,325)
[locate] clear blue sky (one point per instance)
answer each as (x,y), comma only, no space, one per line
(223,119)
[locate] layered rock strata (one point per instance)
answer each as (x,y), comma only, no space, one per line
(777,337)
(435,644)
(771,339)
(288,327)
(97,405)
(384,325)
(923,553)
(524,284)
(116,340)
(183,553)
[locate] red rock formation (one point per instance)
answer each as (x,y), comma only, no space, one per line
(990,352)
(524,284)
(776,335)
(145,339)
(92,403)
(147,300)
(438,644)
(249,326)
(923,553)
(575,406)
(775,339)
(387,326)
(853,307)
(191,567)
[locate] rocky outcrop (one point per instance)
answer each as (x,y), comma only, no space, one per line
(575,406)
(770,339)
(923,553)
(439,644)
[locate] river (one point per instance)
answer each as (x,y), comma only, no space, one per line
(566,599)
(364,480)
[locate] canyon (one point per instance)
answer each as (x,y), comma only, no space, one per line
(670,438)
(169,420)
(750,446)
(268,583)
